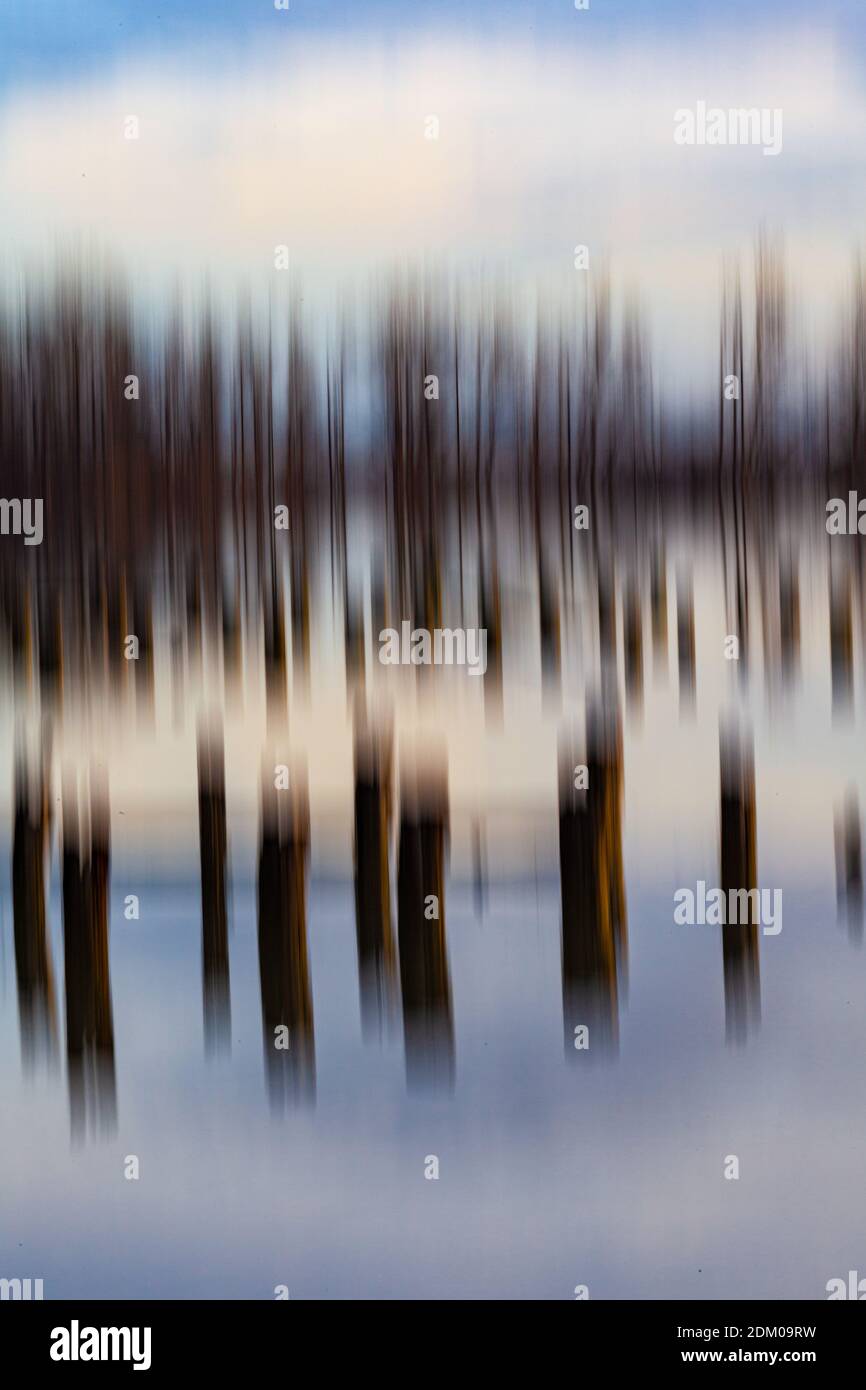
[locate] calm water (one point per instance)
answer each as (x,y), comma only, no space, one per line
(412,1038)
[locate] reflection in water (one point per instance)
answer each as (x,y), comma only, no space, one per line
(89,1022)
(738,869)
(594,919)
(428,1027)
(284,970)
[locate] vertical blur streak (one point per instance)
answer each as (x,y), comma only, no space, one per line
(300,605)
(633,646)
(594,917)
(50,647)
(373,813)
(491,621)
(353,636)
(789,617)
(841,640)
(33,971)
(145,674)
(849,866)
(551,637)
(606,614)
(686,644)
(428,1026)
(659,610)
(89,1022)
(17,625)
(214,913)
(739,872)
(275,649)
(284,970)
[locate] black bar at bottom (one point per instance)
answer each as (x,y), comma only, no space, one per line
(157,1337)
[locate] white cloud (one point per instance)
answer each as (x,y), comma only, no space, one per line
(538,150)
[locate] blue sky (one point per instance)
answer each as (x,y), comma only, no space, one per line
(45,39)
